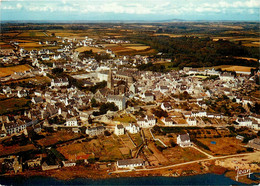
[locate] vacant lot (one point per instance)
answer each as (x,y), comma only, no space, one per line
(7,71)
(10,105)
(224,145)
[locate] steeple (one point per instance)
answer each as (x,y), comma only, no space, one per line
(110,82)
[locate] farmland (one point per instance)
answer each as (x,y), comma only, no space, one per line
(224,145)
(51,139)
(232,68)
(13,104)
(105,149)
(15,149)
(7,71)
(94,50)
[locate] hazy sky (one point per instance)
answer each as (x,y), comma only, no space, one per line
(130,9)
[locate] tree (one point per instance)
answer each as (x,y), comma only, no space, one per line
(159,112)
(173,144)
(57,71)
(107,133)
(94,102)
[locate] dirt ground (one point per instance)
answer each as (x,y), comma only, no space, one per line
(251,161)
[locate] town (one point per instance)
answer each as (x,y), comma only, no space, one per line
(81,101)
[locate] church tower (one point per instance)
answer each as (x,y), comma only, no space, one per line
(110,82)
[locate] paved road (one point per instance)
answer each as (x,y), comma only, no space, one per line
(186,163)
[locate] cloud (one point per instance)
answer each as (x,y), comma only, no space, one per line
(135,7)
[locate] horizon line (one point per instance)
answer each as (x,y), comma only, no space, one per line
(123,21)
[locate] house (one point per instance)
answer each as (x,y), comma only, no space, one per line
(119,130)
(148,97)
(37,100)
(254,143)
(226,76)
(22,93)
(163,89)
(184,140)
(199,114)
(71,122)
(187,114)
(95,131)
(7,90)
(34,162)
(240,137)
(68,164)
(120,101)
(45,166)
(45,57)
(11,128)
(130,163)
(60,82)
(2,133)
(166,106)
(167,121)
(244,122)
(147,121)
(191,121)
(255,126)
(37,128)
(132,128)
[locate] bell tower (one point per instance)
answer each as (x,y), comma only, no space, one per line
(110,82)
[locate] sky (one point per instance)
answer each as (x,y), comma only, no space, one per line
(147,10)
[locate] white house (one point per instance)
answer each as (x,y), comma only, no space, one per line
(11,128)
(102,76)
(95,131)
(184,140)
(199,114)
(148,97)
(167,121)
(256,126)
(60,82)
(119,130)
(130,163)
(226,76)
(68,164)
(166,106)
(120,101)
(22,93)
(192,121)
(132,128)
(245,122)
(146,122)
(71,122)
